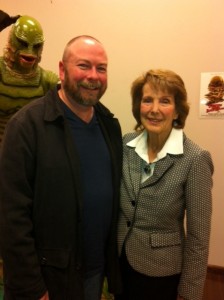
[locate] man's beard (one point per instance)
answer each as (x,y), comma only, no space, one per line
(81,97)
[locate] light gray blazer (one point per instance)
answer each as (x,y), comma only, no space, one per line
(152,215)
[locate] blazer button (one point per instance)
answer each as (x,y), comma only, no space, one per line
(133,202)
(43,261)
(128,223)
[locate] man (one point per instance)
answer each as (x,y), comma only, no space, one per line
(60,170)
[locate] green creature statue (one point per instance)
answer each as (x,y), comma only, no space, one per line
(21,78)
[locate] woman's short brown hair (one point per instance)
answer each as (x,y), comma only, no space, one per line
(164,80)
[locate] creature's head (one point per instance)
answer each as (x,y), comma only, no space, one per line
(25,45)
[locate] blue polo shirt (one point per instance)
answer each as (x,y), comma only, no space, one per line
(97,191)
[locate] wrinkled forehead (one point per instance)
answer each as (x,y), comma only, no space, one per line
(86,49)
(159,85)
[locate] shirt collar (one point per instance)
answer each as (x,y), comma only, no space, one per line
(173,145)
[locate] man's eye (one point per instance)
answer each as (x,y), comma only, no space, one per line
(83,66)
(102,69)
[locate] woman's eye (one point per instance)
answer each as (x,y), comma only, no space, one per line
(165,101)
(146,100)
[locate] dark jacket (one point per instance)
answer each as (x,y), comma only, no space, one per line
(41,200)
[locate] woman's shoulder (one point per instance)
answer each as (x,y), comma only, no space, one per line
(193,151)
(130,136)
(191,146)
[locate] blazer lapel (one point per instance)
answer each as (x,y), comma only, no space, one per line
(134,169)
(161,167)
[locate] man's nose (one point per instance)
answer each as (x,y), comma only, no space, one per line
(92,73)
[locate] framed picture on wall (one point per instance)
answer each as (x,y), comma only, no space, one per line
(212,95)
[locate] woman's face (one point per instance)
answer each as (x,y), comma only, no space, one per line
(157,110)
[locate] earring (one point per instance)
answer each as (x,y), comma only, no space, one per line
(175,123)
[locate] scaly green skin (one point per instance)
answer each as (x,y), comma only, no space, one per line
(21,78)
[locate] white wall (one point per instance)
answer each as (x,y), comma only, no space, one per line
(186,36)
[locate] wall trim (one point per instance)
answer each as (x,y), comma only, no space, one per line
(215,269)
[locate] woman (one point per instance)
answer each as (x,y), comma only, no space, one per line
(165,177)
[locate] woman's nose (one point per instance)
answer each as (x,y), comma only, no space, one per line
(155,106)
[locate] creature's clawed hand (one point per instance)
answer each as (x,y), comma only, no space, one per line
(6,20)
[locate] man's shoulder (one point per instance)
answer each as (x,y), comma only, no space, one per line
(34,108)
(103,110)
